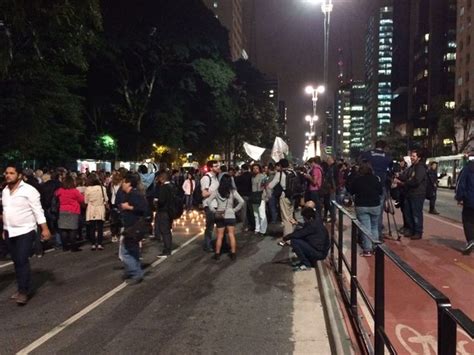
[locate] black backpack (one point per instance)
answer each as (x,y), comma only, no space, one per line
(197,193)
(294,188)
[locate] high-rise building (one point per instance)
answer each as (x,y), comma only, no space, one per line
(343,119)
(359,139)
(229,13)
(464,87)
(378,68)
(432,67)
(282,119)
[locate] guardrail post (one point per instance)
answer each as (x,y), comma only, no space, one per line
(333,232)
(354,233)
(340,230)
(379,318)
(446,331)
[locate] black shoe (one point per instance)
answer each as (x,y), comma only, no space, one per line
(132,282)
(165,253)
(415,237)
(217,256)
(233,256)
(469,247)
(434,212)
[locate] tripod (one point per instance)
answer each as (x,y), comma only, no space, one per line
(390,211)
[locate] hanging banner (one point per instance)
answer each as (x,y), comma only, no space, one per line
(280,149)
(253,151)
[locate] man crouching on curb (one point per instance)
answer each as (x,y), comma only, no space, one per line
(311,242)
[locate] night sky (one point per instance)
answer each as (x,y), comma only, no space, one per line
(290,47)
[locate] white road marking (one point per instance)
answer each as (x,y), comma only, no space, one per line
(56,330)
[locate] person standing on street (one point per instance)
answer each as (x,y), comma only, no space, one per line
(165,204)
(258,200)
(189,185)
(244,187)
(134,209)
(414,182)
(209,184)
(22,212)
(465,197)
(432,186)
(315,179)
(96,199)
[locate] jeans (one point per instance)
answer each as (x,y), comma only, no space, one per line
(273,208)
(468,223)
(209,228)
(96,226)
(306,253)
(164,230)
(130,255)
(260,215)
(20,248)
(188,202)
(414,213)
(369,217)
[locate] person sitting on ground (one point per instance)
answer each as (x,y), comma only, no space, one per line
(311,242)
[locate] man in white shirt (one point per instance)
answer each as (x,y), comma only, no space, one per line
(209,184)
(22,212)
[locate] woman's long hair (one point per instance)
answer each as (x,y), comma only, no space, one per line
(225,186)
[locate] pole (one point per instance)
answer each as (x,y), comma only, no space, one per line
(326,8)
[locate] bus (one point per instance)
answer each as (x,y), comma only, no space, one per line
(449,168)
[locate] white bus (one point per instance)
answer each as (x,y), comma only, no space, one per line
(449,168)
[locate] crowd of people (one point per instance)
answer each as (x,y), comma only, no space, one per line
(67,210)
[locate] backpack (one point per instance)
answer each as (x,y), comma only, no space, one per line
(278,189)
(176,208)
(294,188)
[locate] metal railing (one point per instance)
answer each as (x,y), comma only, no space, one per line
(448,319)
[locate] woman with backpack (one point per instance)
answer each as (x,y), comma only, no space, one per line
(224,214)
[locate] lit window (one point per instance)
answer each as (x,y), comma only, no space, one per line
(427,37)
(215,4)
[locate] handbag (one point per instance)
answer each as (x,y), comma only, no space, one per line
(220,215)
(106,205)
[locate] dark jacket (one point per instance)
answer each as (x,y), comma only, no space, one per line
(47,191)
(415,179)
(166,194)
(314,233)
(465,185)
(244,184)
(367,190)
(140,208)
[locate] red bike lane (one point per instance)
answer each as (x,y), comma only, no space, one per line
(410,313)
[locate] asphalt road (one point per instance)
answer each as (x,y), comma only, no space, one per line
(188,302)
(446,205)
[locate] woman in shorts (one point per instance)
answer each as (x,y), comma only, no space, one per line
(226,196)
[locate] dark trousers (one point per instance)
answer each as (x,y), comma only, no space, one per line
(115,223)
(209,228)
(273,208)
(188,202)
(468,223)
(414,213)
(164,230)
(306,253)
(433,202)
(96,232)
(68,238)
(20,250)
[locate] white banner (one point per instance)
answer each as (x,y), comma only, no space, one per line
(253,151)
(280,149)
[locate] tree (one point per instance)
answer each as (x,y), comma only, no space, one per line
(464,124)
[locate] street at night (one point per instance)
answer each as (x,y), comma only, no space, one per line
(237,177)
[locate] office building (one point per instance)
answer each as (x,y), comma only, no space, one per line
(343,119)
(229,13)
(359,139)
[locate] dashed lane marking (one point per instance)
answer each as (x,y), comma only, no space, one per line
(56,330)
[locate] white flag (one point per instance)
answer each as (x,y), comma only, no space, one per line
(253,151)
(280,149)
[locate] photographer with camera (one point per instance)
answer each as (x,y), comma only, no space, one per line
(311,242)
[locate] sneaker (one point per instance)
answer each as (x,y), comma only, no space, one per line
(164,254)
(100,247)
(114,239)
(21,299)
(366,254)
(216,256)
(415,237)
(301,268)
(469,247)
(15,296)
(93,247)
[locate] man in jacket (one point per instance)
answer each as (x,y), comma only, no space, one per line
(414,181)
(432,186)
(165,205)
(311,242)
(465,197)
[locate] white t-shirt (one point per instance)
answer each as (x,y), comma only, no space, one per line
(210,182)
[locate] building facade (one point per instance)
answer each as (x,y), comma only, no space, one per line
(229,13)
(464,87)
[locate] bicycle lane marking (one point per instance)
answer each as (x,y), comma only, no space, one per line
(443,221)
(56,330)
